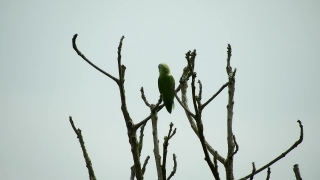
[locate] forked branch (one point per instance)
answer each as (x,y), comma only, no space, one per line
(131,130)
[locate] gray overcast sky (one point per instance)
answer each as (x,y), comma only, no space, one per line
(43,82)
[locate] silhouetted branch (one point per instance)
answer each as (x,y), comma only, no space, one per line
(230,139)
(158,107)
(141,138)
(297,172)
(282,155)
(144,97)
(184,85)
(253,170)
(214,96)
(74,45)
(174,167)
(133,174)
(237,146)
(145,164)
(268,173)
(165,148)
(183,106)
(199,97)
(84,151)
(156,148)
(198,120)
(131,130)
(215,162)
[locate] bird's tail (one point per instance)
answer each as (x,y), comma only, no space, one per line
(169,105)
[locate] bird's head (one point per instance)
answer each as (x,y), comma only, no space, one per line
(164,68)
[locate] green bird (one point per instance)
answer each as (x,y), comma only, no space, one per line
(166,86)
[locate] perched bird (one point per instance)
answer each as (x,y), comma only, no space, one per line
(166,86)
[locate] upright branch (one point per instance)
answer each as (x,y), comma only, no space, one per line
(253,170)
(156,149)
(133,174)
(184,103)
(231,144)
(268,173)
(131,130)
(165,148)
(174,167)
(154,121)
(297,172)
(191,62)
(84,151)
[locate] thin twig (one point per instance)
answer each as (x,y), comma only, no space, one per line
(281,155)
(237,146)
(183,106)
(141,138)
(84,151)
(214,96)
(174,167)
(231,90)
(253,170)
(74,45)
(165,149)
(184,85)
(144,97)
(158,108)
(215,162)
(297,172)
(268,173)
(145,164)
(199,97)
(198,116)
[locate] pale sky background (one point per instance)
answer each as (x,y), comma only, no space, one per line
(43,82)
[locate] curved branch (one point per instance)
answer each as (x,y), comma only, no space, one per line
(282,155)
(74,45)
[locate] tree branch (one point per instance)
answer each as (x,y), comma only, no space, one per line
(145,164)
(199,96)
(156,149)
(297,172)
(144,97)
(198,116)
(183,106)
(214,96)
(230,139)
(237,146)
(174,167)
(129,123)
(183,86)
(253,170)
(268,173)
(84,151)
(165,148)
(74,45)
(282,155)
(141,138)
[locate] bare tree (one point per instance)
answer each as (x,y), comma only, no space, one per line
(212,157)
